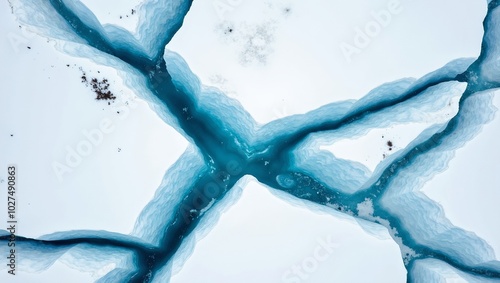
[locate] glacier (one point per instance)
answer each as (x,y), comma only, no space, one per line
(227,145)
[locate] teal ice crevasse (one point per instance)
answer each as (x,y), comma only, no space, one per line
(227,144)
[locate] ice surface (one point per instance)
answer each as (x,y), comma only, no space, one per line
(214,138)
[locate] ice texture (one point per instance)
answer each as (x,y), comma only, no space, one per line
(285,155)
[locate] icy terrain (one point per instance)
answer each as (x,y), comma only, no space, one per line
(229,149)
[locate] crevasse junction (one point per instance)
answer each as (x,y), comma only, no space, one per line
(228,144)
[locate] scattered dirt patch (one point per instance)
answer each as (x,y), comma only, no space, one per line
(99,87)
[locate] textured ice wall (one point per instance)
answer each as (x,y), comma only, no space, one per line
(228,144)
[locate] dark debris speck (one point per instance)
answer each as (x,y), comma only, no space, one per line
(390,145)
(228,30)
(100,87)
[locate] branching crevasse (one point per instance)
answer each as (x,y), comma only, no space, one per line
(273,167)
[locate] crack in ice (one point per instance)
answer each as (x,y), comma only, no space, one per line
(228,148)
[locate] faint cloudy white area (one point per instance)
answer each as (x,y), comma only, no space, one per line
(261,237)
(306,66)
